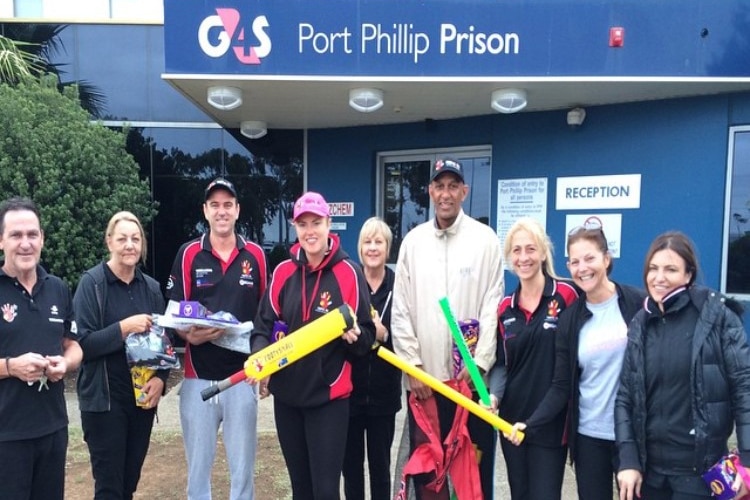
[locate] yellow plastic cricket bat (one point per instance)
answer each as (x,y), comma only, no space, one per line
(455,396)
(290,348)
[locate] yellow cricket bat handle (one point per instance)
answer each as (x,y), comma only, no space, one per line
(455,396)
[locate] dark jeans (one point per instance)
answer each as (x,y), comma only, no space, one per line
(313,441)
(34,469)
(595,465)
(534,472)
(483,436)
(118,442)
(379,431)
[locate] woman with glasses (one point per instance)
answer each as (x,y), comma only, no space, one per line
(685,382)
(527,326)
(590,344)
(113,300)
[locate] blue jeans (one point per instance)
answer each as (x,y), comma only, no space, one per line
(236,411)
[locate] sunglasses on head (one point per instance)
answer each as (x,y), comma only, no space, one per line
(588,225)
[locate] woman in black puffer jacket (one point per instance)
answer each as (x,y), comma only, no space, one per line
(685,381)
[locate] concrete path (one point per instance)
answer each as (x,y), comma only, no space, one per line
(169,421)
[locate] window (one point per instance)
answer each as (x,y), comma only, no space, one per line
(403,200)
(735,276)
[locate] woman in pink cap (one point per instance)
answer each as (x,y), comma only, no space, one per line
(311,396)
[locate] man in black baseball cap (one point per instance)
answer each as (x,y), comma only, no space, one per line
(220,183)
(224,271)
(446,165)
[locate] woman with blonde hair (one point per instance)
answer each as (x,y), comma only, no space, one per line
(590,346)
(527,326)
(376,397)
(114,299)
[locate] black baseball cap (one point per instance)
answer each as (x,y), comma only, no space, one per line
(220,183)
(447,165)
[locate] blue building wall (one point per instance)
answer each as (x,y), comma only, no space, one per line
(678,146)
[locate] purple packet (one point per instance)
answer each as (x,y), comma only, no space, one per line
(470,331)
(280,330)
(720,477)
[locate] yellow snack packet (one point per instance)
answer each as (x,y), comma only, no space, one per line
(140,375)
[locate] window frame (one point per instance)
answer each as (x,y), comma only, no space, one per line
(733,132)
(428,155)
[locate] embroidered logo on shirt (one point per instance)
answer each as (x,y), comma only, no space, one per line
(325,302)
(246,278)
(203,277)
(10,311)
(505,331)
(553,311)
(53,310)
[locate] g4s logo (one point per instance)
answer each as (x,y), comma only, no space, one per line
(230,37)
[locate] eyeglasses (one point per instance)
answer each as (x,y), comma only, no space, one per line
(588,225)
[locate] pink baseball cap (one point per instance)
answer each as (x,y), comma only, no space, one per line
(312,203)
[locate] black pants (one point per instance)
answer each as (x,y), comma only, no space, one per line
(34,469)
(312,441)
(651,493)
(483,436)
(595,464)
(534,472)
(379,431)
(118,442)
(661,487)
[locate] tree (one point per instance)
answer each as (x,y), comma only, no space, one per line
(16,64)
(77,172)
(36,44)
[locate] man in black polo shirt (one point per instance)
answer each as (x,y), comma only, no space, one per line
(224,272)
(38,347)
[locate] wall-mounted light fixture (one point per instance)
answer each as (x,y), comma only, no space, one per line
(253,129)
(224,98)
(576,117)
(366,100)
(508,100)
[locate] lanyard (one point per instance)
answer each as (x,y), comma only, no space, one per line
(385,306)
(307,309)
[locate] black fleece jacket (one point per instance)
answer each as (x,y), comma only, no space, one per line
(377,383)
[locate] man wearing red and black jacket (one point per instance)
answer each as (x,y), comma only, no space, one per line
(311,396)
(224,272)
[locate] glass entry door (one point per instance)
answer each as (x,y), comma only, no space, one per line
(404,197)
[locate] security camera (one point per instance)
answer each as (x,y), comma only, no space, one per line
(576,117)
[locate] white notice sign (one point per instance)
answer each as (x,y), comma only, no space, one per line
(598,192)
(518,198)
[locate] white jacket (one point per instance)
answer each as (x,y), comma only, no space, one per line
(462,263)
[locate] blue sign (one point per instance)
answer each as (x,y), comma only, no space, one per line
(451,38)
